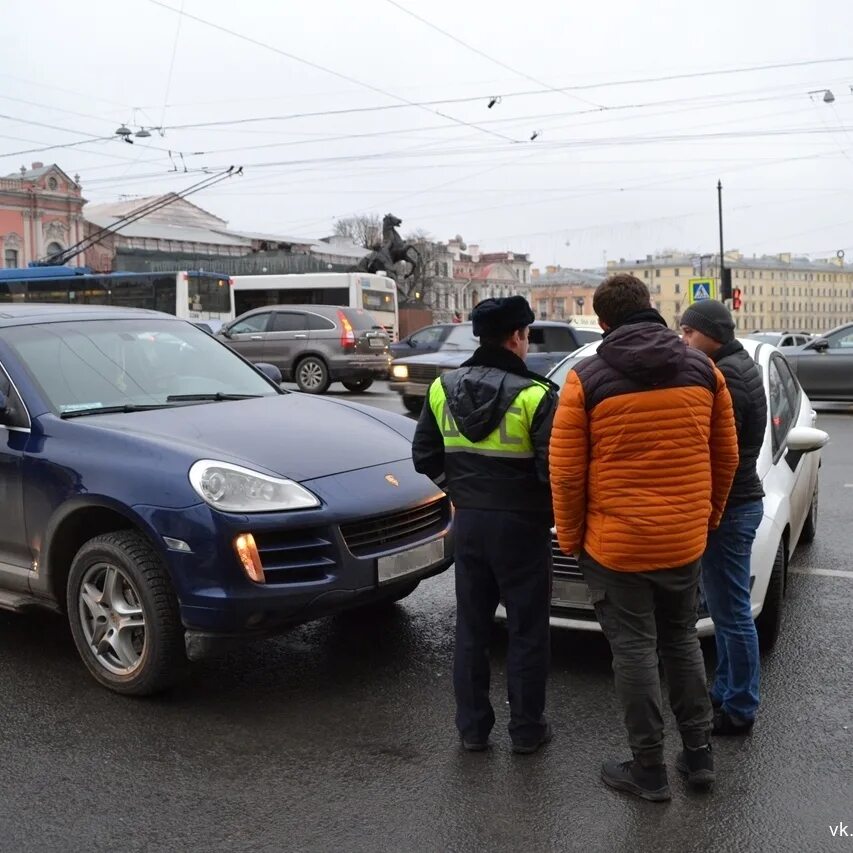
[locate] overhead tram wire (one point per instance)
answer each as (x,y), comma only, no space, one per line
(293,57)
(486,56)
(470,99)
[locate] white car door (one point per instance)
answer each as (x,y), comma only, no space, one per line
(794,472)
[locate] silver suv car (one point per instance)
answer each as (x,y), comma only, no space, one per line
(313,345)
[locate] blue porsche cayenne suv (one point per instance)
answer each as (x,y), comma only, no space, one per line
(171,499)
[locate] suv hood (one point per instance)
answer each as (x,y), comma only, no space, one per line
(294,435)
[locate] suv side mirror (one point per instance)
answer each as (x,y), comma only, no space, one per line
(820,345)
(225,331)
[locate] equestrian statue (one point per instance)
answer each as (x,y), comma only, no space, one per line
(391,251)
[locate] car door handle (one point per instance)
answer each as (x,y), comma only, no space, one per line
(300,337)
(256,337)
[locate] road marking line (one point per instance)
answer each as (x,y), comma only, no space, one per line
(828,573)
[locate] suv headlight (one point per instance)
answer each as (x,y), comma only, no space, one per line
(400,371)
(230,488)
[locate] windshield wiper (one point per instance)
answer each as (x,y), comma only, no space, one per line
(218,395)
(112,410)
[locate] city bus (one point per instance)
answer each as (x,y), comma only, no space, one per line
(196,296)
(376,294)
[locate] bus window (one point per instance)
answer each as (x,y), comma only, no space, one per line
(377,300)
(246,300)
(208,293)
(132,293)
(165,294)
(46,290)
(93,290)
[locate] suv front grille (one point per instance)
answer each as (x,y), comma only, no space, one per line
(423,372)
(298,556)
(382,533)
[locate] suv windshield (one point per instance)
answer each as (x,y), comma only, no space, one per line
(106,364)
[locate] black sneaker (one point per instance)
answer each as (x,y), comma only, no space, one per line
(697,765)
(520,748)
(728,725)
(650,783)
(474,744)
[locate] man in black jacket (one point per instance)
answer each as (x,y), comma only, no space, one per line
(708,326)
(483,437)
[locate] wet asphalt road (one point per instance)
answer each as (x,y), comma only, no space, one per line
(340,736)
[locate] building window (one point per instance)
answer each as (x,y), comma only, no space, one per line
(53,249)
(676,275)
(737,273)
(52,183)
(645,273)
(677,285)
(657,273)
(11,258)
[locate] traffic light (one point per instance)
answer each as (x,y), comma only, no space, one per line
(737,299)
(726,284)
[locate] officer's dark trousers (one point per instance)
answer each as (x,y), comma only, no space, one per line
(502,555)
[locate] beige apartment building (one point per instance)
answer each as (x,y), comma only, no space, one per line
(779,292)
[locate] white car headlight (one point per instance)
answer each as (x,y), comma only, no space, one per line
(230,488)
(400,371)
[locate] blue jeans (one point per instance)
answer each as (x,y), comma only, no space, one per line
(725,578)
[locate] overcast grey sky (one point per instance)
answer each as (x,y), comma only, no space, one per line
(619,169)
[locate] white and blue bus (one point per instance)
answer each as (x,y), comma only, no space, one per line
(196,296)
(376,294)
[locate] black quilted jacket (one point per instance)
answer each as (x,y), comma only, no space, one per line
(743,379)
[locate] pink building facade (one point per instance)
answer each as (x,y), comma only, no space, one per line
(40,214)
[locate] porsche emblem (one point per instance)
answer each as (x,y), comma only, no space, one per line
(390,478)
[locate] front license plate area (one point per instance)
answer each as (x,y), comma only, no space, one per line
(570,594)
(412,560)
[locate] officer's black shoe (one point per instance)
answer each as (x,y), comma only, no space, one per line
(474,744)
(523,748)
(650,783)
(697,765)
(726,725)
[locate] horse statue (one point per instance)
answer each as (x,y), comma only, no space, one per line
(392,250)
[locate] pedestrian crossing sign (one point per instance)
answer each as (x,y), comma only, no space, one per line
(700,289)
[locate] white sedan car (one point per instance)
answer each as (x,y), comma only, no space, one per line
(788,467)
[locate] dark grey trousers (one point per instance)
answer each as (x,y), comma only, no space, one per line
(643,615)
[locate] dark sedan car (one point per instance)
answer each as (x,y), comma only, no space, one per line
(171,498)
(824,366)
(550,343)
(425,340)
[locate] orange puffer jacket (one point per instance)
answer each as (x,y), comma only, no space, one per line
(643,451)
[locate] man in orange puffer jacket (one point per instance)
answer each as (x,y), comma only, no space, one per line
(643,453)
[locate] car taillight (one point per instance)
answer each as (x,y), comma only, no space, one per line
(347,334)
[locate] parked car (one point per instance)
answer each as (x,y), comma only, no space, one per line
(550,343)
(171,499)
(781,340)
(824,366)
(788,466)
(425,340)
(313,345)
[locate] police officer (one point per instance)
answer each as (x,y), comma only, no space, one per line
(483,436)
